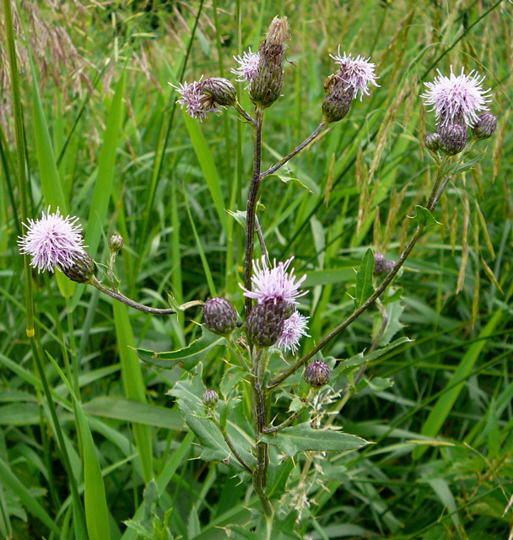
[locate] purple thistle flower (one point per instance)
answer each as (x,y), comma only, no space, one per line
(52,240)
(275,284)
(194,100)
(293,330)
(248,66)
(357,73)
(457,98)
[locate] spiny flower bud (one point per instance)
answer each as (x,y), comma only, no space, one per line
(338,98)
(116,242)
(382,265)
(317,373)
(220,316)
(81,269)
(265,87)
(453,138)
(265,323)
(485,126)
(220,90)
(210,398)
(432,142)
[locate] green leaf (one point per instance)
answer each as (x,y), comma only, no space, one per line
(11,481)
(187,356)
(364,288)
(208,166)
(133,384)
(19,414)
(189,394)
(302,437)
(446,401)
(134,411)
(95,501)
(287,179)
(424,217)
(394,311)
(332,275)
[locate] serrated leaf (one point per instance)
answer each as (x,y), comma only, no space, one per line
(186,356)
(364,288)
(424,217)
(394,311)
(302,437)
(189,394)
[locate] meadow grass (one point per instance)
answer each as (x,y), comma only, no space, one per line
(90,444)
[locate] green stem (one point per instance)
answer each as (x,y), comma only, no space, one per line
(228,441)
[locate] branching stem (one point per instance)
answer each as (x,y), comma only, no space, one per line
(128,301)
(438,187)
(315,135)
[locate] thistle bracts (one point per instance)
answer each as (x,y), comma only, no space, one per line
(210,398)
(432,142)
(317,373)
(382,265)
(453,138)
(220,316)
(485,126)
(205,96)
(220,91)
(265,322)
(266,84)
(353,77)
(81,270)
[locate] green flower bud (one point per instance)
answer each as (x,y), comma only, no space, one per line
(116,242)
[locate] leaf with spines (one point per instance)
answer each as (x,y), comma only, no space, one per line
(424,217)
(301,438)
(186,356)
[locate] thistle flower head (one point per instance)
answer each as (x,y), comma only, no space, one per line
(485,126)
(248,66)
(317,373)
(220,316)
(210,398)
(293,329)
(53,240)
(356,73)
(457,98)
(194,100)
(276,284)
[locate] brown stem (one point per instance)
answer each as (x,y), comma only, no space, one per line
(128,301)
(251,206)
(436,193)
(260,413)
(315,133)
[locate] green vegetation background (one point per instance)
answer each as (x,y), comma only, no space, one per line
(106,143)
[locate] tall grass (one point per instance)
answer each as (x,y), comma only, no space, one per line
(90,444)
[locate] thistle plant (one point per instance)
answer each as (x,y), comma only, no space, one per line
(259,331)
